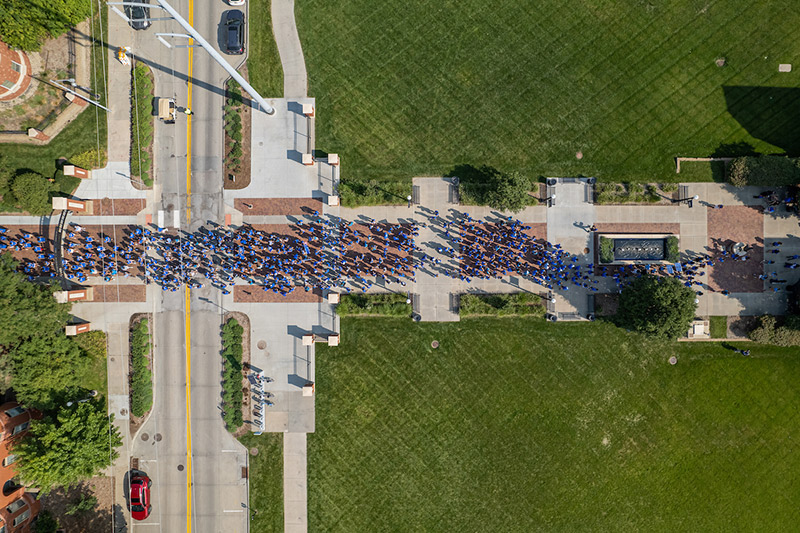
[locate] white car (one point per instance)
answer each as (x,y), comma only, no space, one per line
(235,2)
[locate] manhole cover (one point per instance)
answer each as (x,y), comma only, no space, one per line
(123,412)
(435,344)
(180,468)
(145,436)
(586,250)
(157,437)
(262,345)
(112,358)
(253,451)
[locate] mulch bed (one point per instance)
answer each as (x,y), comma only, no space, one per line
(245,293)
(606,304)
(277,206)
(729,225)
(135,422)
(96,521)
(118,207)
(244,321)
(243,173)
(740,326)
(120,293)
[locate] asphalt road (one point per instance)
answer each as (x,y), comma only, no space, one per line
(196,464)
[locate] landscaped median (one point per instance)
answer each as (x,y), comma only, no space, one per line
(141,124)
(141,379)
(391,304)
(232,395)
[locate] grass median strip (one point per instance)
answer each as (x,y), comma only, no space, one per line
(373,305)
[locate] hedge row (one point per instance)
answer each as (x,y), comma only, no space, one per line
(519,304)
(606,250)
(141,377)
(232,395)
(373,305)
(233,126)
(766,171)
(141,123)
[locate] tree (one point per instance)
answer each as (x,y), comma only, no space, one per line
(25,24)
(74,446)
(29,308)
(44,368)
(660,307)
(509,192)
(33,193)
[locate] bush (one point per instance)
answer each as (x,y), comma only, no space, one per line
(45,523)
(488,186)
(232,396)
(141,380)
(236,151)
(673,250)
(32,192)
(89,159)
(373,305)
(236,135)
(768,332)
(606,250)
(519,304)
(766,171)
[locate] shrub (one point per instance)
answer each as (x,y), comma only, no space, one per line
(141,380)
(236,151)
(767,171)
(518,304)
(606,250)
(89,159)
(768,332)
(673,250)
(32,192)
(669,187)
(45,523)
(236,135)
(373,305)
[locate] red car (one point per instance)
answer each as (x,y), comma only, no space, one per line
(140,496)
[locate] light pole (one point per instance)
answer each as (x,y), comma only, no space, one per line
(409,200)
(550,199)
(92,394)
(688,200)
(194,34)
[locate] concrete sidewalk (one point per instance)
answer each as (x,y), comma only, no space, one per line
(295,78)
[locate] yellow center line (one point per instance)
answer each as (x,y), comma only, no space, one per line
(188,330)
(187,306)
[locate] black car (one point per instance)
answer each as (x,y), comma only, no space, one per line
(139,16)
(233,21)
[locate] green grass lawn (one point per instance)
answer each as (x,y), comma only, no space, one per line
(519,425)
(266,482)
(414,88)
(263,61)
(719,327)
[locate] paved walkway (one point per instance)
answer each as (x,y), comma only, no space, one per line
(295,484)
(295,79)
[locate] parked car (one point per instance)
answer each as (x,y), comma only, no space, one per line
(140,496)
(235,2)
(233,21)
(139,16)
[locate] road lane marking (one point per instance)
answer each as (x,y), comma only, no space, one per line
(187,307)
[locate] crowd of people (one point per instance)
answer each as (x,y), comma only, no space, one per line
(325,252)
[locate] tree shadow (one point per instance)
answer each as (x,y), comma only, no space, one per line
(736,149)
(475,183)
(767,113)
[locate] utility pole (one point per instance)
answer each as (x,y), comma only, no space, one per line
(194,34)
